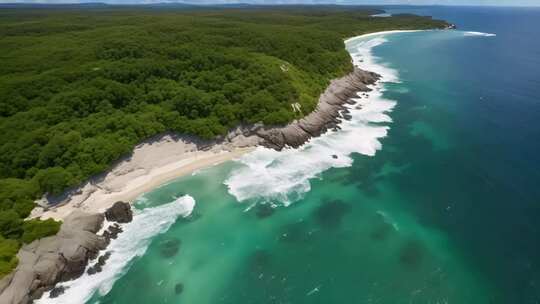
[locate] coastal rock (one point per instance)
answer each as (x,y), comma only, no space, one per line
(91,271)
(103,259)
(112,232)
(120,212)
(55,292)
(325,116)
(47,261)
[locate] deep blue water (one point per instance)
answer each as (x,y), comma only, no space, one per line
(491,103)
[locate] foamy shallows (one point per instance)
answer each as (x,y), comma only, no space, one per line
(131,243)
(269,176)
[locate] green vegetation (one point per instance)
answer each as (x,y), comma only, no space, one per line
(8,258)
(80,87)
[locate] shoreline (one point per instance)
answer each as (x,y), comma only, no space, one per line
(167,157)
(151,164)
(347,40)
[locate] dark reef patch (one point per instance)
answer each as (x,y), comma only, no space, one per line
(169,248)
(330,213)
(264,210)
(178,288)
(412,253)
(381,229)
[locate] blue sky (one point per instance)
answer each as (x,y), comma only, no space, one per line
(414,2)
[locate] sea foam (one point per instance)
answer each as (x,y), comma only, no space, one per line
(269,176)
(479,34)
(131,243)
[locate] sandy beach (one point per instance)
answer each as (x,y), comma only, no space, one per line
(151,164)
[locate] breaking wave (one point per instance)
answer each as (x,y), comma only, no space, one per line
(131,243)
(269,176)
(480,34)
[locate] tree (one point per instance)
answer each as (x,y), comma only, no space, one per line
(54,180)
(36,229)
(10,224)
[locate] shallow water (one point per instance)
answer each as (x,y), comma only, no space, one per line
(432,197)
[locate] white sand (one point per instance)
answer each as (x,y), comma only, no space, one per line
(382,33)
(152,163)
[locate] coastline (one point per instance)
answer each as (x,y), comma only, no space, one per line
(152,163)
(347,40)
(167,157)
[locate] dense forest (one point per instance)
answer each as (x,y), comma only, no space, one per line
(79,87)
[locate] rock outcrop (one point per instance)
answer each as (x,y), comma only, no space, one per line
(120,212)
(48,261)
(326,115)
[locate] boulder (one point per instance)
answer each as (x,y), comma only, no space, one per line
(82,221)
(53,259)
(120,212)
(112,232)
(103,259)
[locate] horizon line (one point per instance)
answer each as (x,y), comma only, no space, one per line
(260,4)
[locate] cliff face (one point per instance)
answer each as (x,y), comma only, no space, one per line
(62,257)
(330,109)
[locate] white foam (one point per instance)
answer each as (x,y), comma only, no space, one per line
(379,34)
(283,177)
(480,34)
(383,15)
(131,243)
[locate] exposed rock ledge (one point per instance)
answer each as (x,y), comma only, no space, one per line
(326,115)
(48,261)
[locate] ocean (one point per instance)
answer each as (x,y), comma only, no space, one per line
(430,194)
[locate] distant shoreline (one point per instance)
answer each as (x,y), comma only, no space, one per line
(381,33)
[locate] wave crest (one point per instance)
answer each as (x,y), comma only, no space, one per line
(479,34)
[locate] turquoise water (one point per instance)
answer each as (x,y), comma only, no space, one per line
(438,204)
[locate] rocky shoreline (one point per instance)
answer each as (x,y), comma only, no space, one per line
(82,238)
(327,115)
(160,158)
(65,256)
